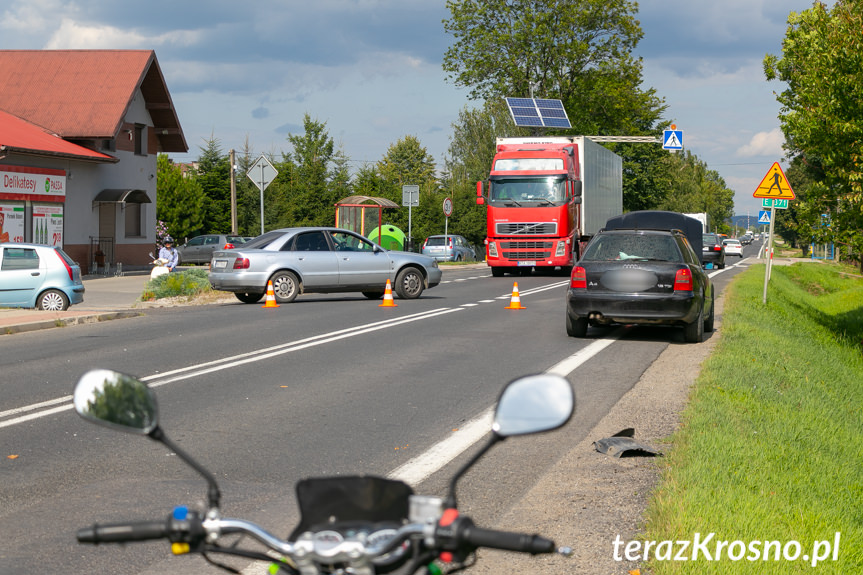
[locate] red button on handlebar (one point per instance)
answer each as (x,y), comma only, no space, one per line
(449,515)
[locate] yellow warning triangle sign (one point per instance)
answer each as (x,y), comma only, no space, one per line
(774,185)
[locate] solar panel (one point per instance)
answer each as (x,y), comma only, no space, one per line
(538,112)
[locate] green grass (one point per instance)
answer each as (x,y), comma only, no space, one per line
(771,444)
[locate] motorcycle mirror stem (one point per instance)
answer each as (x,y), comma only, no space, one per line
(527,405)
(122,402)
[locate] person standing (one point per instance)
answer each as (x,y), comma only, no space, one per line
(169,254)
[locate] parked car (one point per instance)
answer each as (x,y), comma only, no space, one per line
(44,277)
(449,248)
(733,247)
(319,260)
(199,250)
(712,251)
(640,276)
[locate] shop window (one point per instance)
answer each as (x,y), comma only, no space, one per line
(133,214)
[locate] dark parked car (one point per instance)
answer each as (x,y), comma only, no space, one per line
(199,250)
(640,276)
(319,260)
(449,248)
(712,251)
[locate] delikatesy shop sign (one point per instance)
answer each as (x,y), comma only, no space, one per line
(21,183)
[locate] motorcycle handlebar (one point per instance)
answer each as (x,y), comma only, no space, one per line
(121,532)
(507,540)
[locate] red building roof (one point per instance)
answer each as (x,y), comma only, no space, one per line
(85,94)
(20,136)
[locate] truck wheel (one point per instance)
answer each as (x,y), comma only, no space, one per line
(286,286)
(497,272)
(576,326)
(409,283)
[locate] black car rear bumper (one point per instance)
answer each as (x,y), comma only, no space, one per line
(650,309)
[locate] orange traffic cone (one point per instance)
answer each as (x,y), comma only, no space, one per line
(515,300)
(271,296)
(388,297)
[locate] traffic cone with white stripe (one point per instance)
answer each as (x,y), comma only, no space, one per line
(271,296)
(388,297)
(515,300)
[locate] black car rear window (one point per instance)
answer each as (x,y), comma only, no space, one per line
(437,241)
(651,247)
(264,240)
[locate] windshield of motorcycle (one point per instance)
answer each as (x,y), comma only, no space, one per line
(543,189)
(325,500)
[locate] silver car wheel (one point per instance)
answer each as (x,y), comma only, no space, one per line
(286,286)
(53,300)
(409,283)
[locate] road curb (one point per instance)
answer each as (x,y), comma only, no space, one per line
(67,321)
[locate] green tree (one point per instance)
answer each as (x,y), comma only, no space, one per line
(181,199)
(214,177)
(694,188)
(579,51)
(314,190)
(822,116)
(407,162)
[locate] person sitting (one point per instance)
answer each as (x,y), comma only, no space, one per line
(169,253)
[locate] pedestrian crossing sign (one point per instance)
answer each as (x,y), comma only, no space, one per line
(672,140)
(774,185)
(763,217)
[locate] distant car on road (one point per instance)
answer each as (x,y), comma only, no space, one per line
(643,277)
(44,277)
(733,247)
(319,260)
(449,248)
(200,249)
(712,250)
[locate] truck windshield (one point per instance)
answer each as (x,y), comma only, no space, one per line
(520,191)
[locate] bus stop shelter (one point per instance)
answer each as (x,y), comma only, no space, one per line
(362,214)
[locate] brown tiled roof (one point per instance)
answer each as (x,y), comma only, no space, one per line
(20,136)
(84,94)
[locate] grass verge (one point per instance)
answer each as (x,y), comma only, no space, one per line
(770,450)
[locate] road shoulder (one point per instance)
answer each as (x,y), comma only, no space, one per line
(589,499)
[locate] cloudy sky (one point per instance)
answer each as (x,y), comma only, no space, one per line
(371,69)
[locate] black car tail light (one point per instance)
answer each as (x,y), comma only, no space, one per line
(683,280)
(242,264)
(578,279)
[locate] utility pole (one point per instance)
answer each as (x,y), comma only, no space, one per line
(234,227)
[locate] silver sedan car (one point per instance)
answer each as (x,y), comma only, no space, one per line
(319,260)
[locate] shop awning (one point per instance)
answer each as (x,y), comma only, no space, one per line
(123,195)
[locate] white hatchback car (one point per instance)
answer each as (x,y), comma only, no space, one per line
(733,247)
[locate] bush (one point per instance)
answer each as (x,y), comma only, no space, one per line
(185,283)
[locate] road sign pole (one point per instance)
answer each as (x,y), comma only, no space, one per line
(262,198)
(767,268)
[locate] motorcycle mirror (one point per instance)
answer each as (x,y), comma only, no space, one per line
(117,401)
(528,404)
(533,404)
(121,402)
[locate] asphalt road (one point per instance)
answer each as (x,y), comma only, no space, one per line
(264,397)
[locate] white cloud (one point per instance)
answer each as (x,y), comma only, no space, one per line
(764,144)
(71,35)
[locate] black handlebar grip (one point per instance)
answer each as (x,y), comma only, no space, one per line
(121,532)
(522,542)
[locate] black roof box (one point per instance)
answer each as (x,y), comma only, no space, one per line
(660,220)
